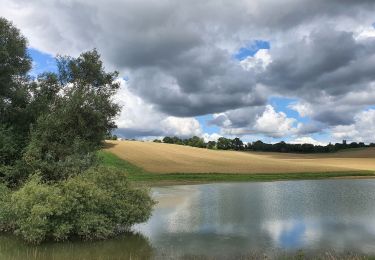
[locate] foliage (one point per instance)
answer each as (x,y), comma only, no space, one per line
(211,144)
(15,63)
(282,147)
(50,131)
(224,143)
(92,205)
(56,121)
(5,194)
(78,120)
(14,97)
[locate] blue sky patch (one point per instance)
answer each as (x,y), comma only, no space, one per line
(251,49)
(207,128)
(42,62)
(282,104)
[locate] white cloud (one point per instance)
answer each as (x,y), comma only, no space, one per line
(183,127)
(306,140)
(365,32)
(362,130)
(275,124)
(303,109)
(179,56)
(259,61)
(211,137)
(138,118)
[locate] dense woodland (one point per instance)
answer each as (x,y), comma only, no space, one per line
(238,145)
(51,183)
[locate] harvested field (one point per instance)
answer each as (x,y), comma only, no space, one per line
(170,158)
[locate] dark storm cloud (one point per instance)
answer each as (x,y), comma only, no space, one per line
(238,118)
(318,62)
(324,68)
(179,54)
(200,81)
(311,128)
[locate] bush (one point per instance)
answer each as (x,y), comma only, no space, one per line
(94,205)
(4,207)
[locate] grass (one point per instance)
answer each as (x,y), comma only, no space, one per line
(160,158)
(138,174)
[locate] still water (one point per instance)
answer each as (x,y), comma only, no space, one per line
(233,219)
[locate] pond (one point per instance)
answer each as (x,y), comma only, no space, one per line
(227,220)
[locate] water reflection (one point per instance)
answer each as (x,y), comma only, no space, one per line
(229,220)
(127,246)
(236,218)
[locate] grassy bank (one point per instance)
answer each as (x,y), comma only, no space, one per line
(137,174)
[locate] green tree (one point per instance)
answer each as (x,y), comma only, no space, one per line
(50,131)
(258,146)
(211,145)
(237,144)
(15,117)
(195,141)
(94,205)
(79,120)
(224,143)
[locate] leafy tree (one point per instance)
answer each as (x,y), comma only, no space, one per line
(79,119)
(224,144)
(353,145)
(5,215)
(168,140)
(176,140)
(283,147)
(14,98)
(237,144)
(50,130)
(15,64)
(280,147)
(258,146)
(92,205)
(195,141)
(211,145)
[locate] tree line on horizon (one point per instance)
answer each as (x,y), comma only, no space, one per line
(237,144)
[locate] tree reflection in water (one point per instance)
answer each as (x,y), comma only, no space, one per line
(126,246)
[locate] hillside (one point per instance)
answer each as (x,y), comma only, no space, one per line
(169,158)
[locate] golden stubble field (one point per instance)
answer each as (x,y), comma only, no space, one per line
(170,158)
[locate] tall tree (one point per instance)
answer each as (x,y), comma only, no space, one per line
(14,98)
(78,119)
(237,144)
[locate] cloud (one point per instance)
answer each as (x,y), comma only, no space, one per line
(303,109)
(325,61)
(306,140)
(179,57)
(199,82)
(138,118)
(362,130)
(274,124)
(258,62)
(211,137)
(258,120)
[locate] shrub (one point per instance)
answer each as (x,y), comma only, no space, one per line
(94,205)
(4,207)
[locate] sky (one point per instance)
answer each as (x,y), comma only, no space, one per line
(293,70)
